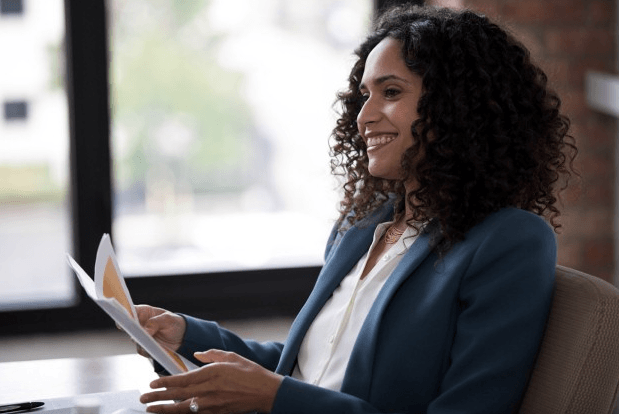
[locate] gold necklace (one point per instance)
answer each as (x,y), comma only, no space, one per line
(393,234)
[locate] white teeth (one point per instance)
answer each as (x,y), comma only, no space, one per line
(380,140)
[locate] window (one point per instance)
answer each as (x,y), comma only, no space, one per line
(34,166)
(221,116)
(11,7)
(15,110)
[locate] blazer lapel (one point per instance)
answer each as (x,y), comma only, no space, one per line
(357,378)
(344,255)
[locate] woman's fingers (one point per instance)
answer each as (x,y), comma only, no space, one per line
(169,394)
(151,327)
(145,312)
(188,379)
(216,355)
(228,383)
(166,409)
(179,408)
(183,407)
(166,327)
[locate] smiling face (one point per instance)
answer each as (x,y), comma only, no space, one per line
(391,93)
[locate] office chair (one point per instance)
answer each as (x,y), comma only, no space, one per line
(577,369)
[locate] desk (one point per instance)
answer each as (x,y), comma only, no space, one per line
(52,378)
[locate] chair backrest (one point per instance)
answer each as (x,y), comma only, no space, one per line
(577,369)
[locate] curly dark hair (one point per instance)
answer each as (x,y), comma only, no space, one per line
(489,128)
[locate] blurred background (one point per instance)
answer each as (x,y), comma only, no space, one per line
(219,120)
(196,133)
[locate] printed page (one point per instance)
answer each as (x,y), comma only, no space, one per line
(108,279)
(170,360)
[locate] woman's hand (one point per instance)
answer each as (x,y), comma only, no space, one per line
(228,384)
(166,327)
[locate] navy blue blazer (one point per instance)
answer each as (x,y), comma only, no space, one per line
(459,335)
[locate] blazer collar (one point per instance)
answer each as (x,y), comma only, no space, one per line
(345,253)
(357,379)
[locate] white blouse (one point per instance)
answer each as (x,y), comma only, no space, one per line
(328,343)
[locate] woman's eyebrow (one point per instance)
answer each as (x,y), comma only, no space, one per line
(383,79)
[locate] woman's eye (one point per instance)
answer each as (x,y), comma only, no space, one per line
(390,93)
(365,97)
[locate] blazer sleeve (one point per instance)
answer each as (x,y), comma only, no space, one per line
(202,335)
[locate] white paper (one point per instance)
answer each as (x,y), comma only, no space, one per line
(105,254)
(170,360)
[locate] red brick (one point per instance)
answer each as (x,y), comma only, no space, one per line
(604,63)
(580,41)
(580,67)
(569,252)
(594,136)
(568,71)
(525,11)
(598,255)
(574,104)
(571,195)
(599,252)
(570,224)
(601,12)
(530,38)
(490,8)
(605,120)
(557,70)
(535,11)
(599,193)
(597,222)
(595,167)
(602,132)
(580,136)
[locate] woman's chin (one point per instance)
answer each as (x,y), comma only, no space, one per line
(384,174)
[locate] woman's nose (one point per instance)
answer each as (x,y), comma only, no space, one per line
(369,113)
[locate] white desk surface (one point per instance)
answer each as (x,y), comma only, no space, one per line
(52,378)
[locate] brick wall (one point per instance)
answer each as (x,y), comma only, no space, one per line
(568,38)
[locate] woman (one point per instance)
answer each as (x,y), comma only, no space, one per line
(439,274)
